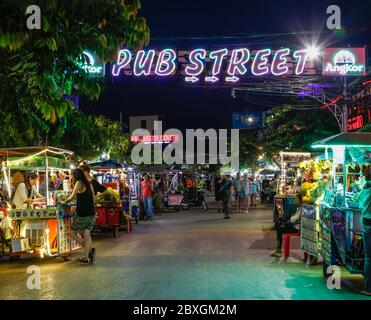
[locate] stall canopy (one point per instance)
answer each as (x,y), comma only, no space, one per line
(110,164)
(37,150)
(347,139)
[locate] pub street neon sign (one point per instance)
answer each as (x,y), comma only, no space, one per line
(229,65)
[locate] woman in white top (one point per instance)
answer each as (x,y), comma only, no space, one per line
(25,192)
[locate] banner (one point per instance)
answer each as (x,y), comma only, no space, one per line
(247,120)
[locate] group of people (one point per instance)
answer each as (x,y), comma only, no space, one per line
(244,188)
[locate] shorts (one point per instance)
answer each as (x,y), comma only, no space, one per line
(238,195)
(83,223)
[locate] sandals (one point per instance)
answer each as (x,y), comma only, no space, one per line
(92,253)
(276,254)
(83,260)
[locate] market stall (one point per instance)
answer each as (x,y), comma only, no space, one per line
(288,187)
(114,205)
(316,175)
(340,217)
(44,227)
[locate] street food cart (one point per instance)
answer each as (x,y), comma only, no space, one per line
(340,216)
(43,228)
(284,200)
(112,206)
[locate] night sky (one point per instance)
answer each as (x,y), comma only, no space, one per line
(203,23)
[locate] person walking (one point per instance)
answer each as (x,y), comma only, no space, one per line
(365,205)
(218,195)
(246,192)
(254,192)
(237,190)
(85,220)
(226,194)
(147,194)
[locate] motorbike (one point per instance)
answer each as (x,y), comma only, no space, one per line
(194,198)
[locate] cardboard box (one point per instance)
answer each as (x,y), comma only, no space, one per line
(20,245)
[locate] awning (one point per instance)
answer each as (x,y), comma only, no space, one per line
(347,139)
(26,151)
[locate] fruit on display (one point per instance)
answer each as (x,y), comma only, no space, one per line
(110,195)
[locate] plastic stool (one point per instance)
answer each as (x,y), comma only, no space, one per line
(286,243)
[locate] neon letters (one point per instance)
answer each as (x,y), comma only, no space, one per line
(211,66)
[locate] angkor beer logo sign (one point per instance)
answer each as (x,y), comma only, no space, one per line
(344,62)
(91,64)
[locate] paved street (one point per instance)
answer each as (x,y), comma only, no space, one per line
(184,255)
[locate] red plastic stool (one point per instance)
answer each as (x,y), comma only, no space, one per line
(286,243)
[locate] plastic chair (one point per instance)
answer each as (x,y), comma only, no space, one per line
(286,243)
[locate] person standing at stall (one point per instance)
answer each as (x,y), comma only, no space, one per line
(85,210)
(237,190)
(147,194)
(97,187)
(365,205)
(26,192)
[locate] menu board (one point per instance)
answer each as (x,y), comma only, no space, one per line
(309,236)
(65,243)
(325,235)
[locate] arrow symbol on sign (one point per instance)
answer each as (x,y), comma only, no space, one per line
(232,79)
(211,79)
(191,79)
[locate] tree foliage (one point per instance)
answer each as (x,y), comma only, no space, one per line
(290,129)
(39,68)
(90,136)
(250,149)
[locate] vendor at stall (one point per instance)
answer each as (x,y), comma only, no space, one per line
(288,226)
(365,205)
(26,192)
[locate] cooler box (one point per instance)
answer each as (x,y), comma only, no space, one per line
(113,216)
(20,245)
(100,216)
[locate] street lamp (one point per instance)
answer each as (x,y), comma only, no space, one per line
(313,52)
